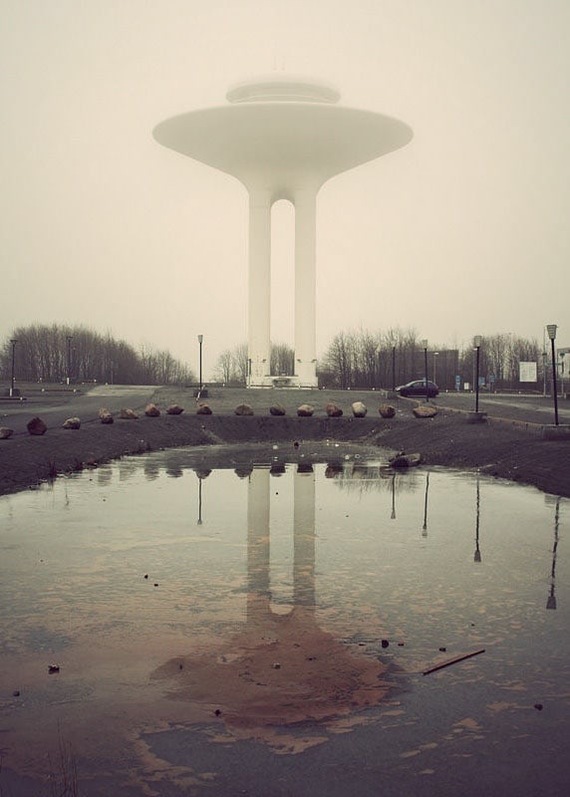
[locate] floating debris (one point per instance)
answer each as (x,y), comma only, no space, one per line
(455,660)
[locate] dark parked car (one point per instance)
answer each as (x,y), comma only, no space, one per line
(418,388)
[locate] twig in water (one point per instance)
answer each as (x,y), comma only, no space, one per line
(455,660)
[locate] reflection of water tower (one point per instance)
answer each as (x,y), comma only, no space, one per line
(283,140)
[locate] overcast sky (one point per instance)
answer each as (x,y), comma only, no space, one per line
(463,231)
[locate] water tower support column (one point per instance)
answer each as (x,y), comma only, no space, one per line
(305,288)
(259,304)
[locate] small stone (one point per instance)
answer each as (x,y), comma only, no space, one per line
(276,665)
(16,693)
(277,409)
(36,426)
(5,433)
(217,712)
(443,650)
(538,706)
(359,409)
(400,644)
(72,423)
(52,668)
(385,643)
(386,410)
(425,411)
(105,415)
(243,409)
(174,409)
(127,414)
(146,575)
(333,410)
(181,666)
(155,584)
(151,411)
(204,409)
(305,411)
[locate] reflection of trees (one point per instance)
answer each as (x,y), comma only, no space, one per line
(551,600)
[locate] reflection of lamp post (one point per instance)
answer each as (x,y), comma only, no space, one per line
(13,342)
(200,339)
(477,554)
(551,600)
(551,329)
(393,515)
(424,344)
(477,347)
(393,368)
(435,356)
(424,527)
(199,523)
(69,339)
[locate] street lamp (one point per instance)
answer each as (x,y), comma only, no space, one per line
(424,345)
(435,356)
(13,341)
(69,339)
(477,347)
(551,329)
(200,340)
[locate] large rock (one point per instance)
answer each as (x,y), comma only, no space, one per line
(243,409)
(36,426)
(359,409)
(403,460)
(425,411)
(386,410)
(277,409)
(105,415)
(72,423)
(152,411)
(174,409)
(305,410)
(333,410)
(5,433)
(204,409)
(128,414)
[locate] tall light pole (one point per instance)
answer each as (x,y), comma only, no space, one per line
(424,345)
(477,347)
(69,339)
(393,368)
(435,356)
(200,340)
(551,329)
(13,342)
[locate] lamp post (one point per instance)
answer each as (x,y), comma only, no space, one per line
(13,341)
(544,358)
(551,329)
(69,339)
(435,356)
(424,345)
(393,368)
(200,341)
(477,347)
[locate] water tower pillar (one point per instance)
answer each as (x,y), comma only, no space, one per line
(305,288)
(259,304)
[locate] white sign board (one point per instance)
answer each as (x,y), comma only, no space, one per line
(527,372)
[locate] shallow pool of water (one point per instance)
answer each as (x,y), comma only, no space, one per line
(283,616)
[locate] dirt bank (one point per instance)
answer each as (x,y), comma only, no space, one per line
(508,450)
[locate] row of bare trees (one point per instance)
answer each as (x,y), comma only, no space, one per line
(232,366)
(364,359)
(44,353)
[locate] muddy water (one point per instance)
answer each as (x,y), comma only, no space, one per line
(283,616)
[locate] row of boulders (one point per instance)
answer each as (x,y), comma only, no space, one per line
(359,410)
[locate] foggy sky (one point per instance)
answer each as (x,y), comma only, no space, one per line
(462,232)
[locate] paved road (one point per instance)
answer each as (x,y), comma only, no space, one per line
(54,407)
(533,409)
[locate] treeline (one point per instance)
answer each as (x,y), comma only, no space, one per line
(232,366)
(364,359)
(44,353)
